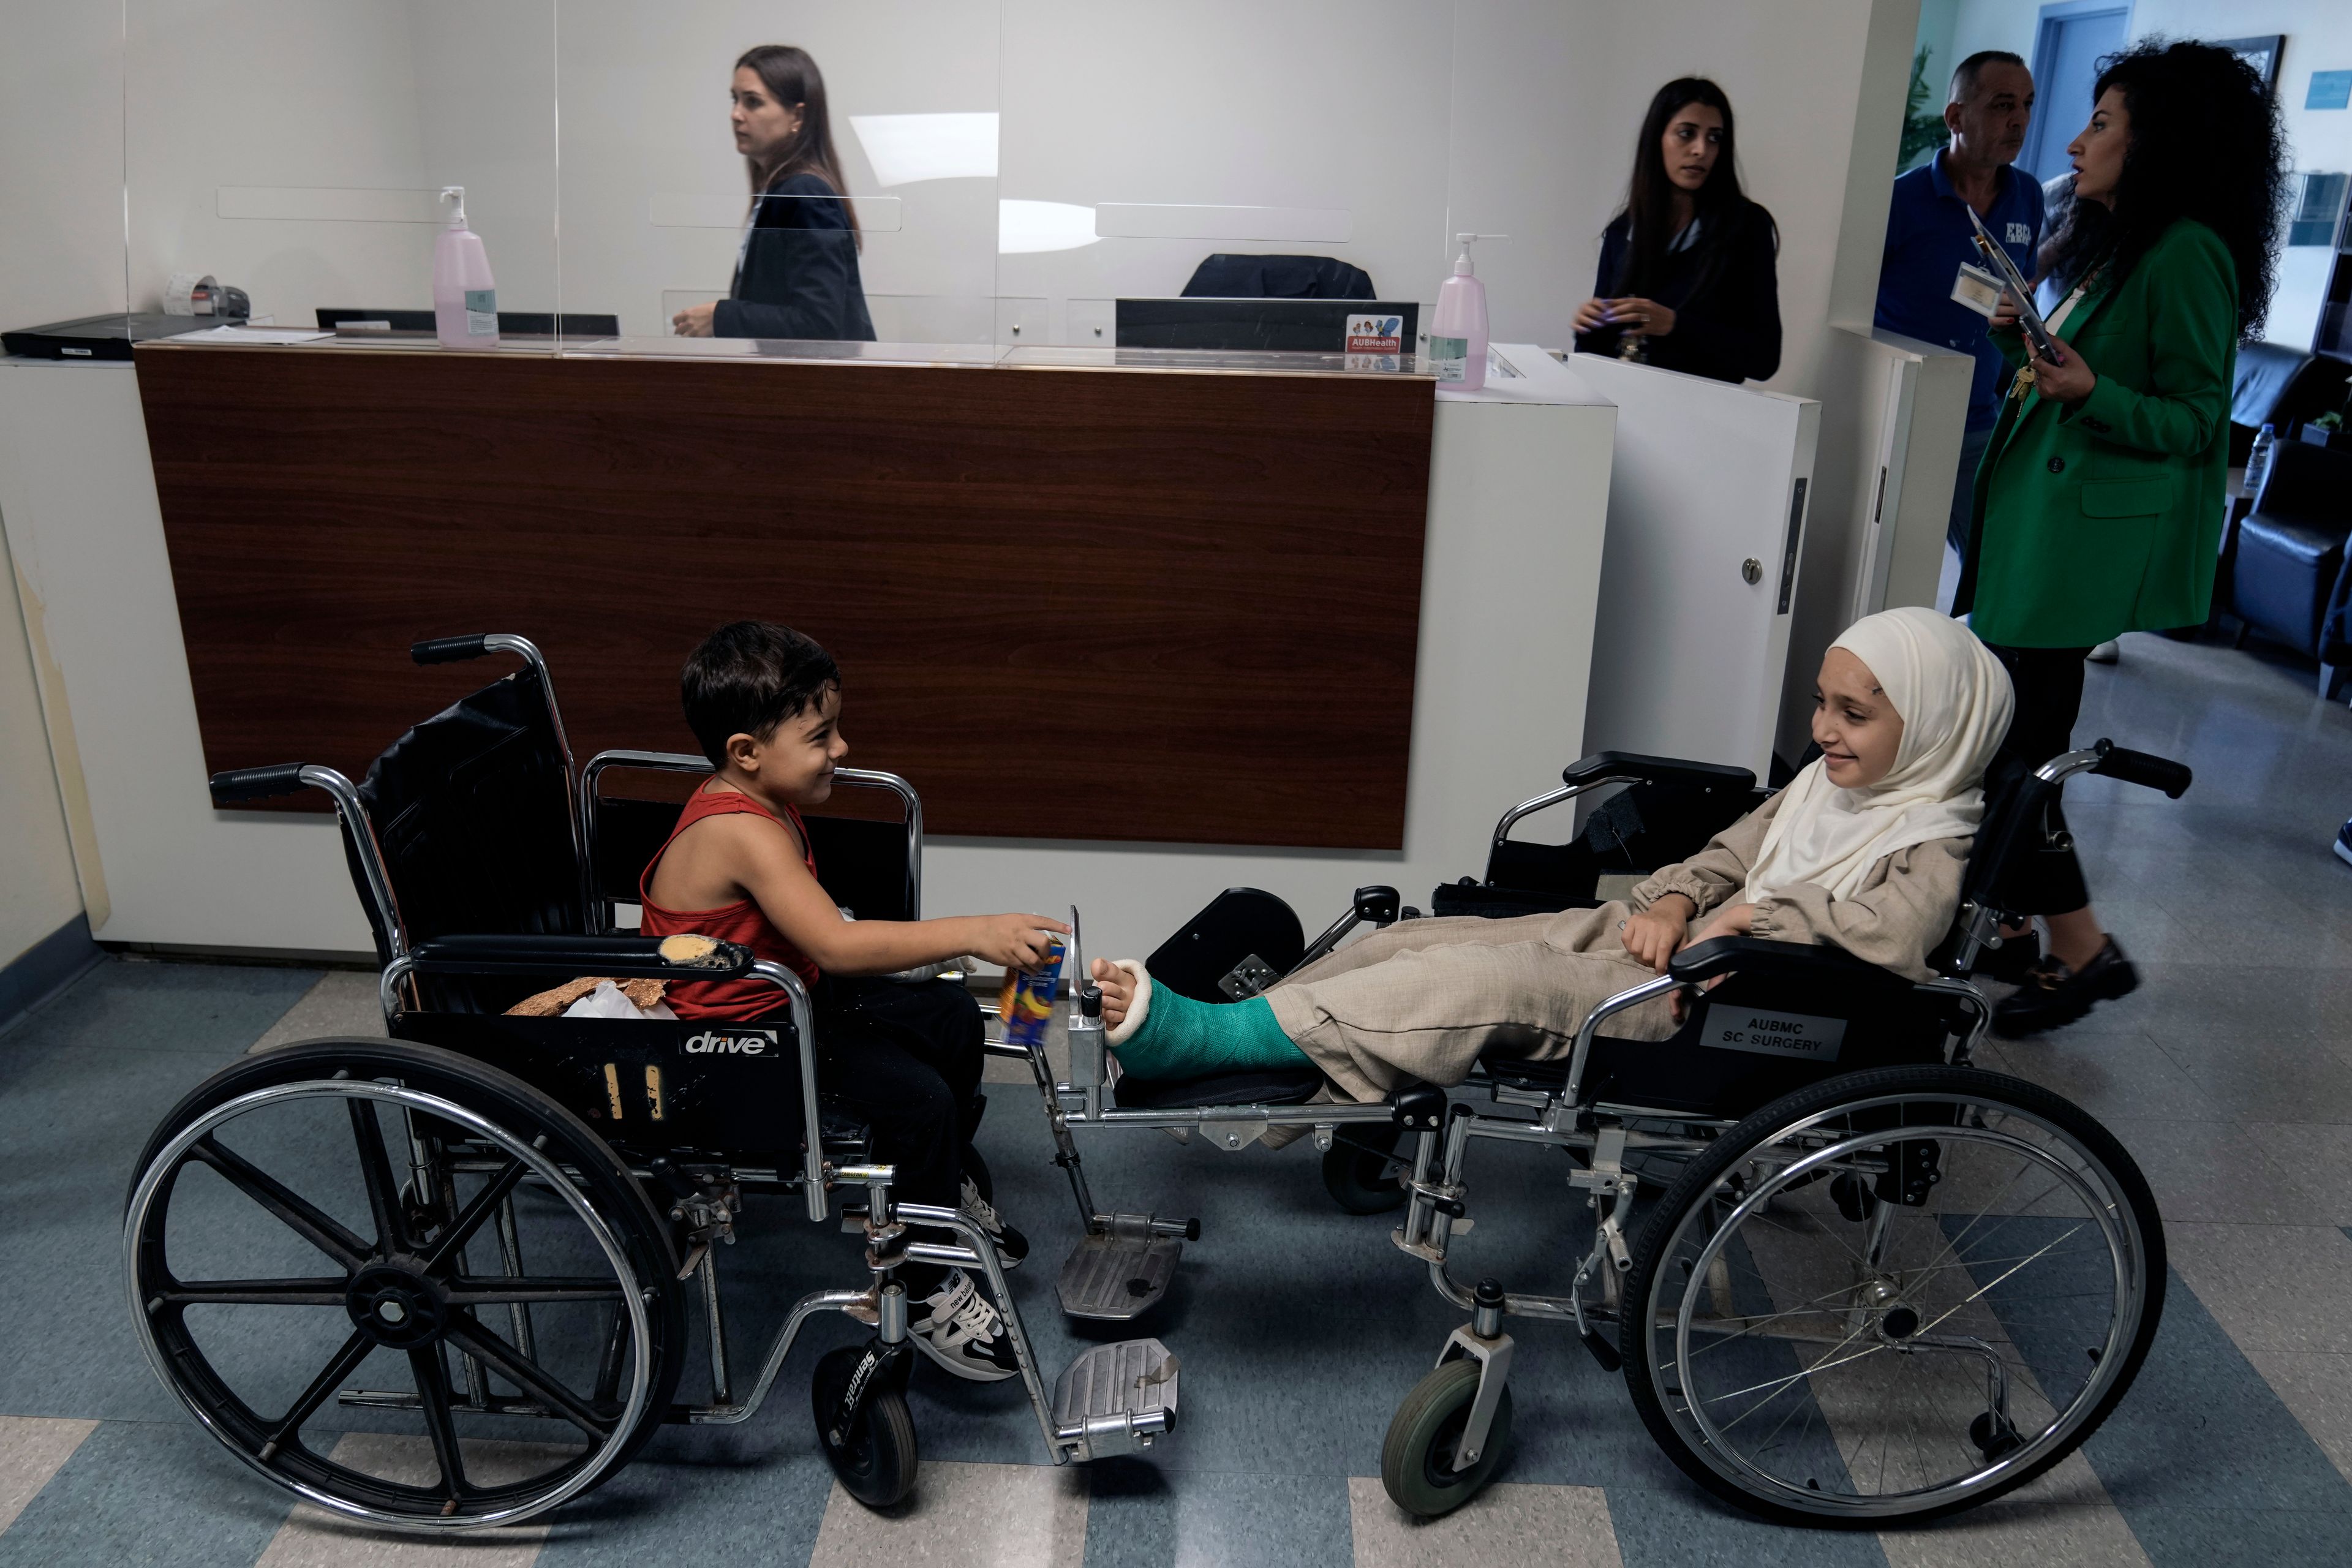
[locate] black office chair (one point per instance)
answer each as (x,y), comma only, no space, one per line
(1229,277)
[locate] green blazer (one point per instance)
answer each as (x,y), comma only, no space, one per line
(2106,517)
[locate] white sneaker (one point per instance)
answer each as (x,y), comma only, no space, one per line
(960,1329)
(1012,1246)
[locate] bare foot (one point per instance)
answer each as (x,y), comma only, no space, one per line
(1118,987)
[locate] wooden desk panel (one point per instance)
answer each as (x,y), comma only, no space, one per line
(1069,604)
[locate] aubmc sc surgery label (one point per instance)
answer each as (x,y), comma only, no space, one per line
(1799,1035)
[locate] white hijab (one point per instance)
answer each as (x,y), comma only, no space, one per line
(1954,701)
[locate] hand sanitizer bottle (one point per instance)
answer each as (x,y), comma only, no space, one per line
(1458,334)
(465,299)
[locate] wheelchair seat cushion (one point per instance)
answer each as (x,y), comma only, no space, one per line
(1283,1085)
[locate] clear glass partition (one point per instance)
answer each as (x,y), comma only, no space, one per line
(1015,168)
(294,148)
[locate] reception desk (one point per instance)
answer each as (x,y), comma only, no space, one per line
(1139,626)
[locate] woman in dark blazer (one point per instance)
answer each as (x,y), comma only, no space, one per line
(2098,504)
(1688,279)
(796,275)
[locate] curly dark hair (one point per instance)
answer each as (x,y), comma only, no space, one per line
(2206,145)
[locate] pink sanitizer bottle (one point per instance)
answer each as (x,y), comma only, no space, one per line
(465,299)
(1458,334)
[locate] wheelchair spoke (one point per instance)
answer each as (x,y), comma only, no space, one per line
(533,1379)
(375,1169)
(254,1292)
(347,1362)
(299,1215)
(433,1397)
(485,1290)
(469,1220)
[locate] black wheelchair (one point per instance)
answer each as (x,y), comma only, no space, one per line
(1850,1279)
(499,1227)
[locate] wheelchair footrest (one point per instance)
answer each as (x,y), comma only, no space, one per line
(1118,1397)
(1120,1273)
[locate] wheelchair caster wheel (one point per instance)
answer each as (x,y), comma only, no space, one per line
(1359,1170)
(1995,1438)
(874,1459)
(1417,1458)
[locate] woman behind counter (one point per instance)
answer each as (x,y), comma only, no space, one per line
(1686,269)
(796,275)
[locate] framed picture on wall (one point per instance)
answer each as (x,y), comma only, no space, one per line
(2262,54)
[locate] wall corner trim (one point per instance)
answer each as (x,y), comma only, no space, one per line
(45,968)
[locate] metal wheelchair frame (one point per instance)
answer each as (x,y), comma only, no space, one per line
(1599,1135)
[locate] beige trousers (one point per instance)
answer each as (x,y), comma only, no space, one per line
(1424,998)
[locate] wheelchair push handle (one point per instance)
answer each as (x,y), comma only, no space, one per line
(2143,768)
(449,650)
(257,783)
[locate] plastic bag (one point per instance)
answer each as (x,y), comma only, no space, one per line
(606,1002)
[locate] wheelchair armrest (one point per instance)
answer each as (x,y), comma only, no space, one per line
(623,957)
(1756,954)
(1631,767)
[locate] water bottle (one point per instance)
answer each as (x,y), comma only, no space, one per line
(2258,462)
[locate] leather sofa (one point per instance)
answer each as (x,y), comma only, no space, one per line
(2288,580)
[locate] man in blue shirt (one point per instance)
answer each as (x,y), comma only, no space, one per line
(1929,237)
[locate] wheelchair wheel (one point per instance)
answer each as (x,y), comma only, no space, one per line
(875,1460)
(402,1285)
(1948,1316)
(1359,1169)
(1417,1457)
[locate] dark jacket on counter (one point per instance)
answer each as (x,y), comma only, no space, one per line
(798,276)
(1723,291)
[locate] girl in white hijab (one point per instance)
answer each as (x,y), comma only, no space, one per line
(1864,849)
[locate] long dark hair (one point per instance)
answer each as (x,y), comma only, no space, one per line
(2206,145)
(792,79)
(1650,198)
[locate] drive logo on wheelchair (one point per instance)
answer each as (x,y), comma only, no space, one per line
(744,1044)
(1799,1035)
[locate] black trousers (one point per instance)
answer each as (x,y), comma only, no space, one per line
(905,1061)
(2048,682)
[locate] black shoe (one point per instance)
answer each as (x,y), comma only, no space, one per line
(2054,995)
(2012,961)
(1012,1246)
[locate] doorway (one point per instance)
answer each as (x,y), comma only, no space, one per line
(2071,40)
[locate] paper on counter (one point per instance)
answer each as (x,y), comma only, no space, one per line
(277,335)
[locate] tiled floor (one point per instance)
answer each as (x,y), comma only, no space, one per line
(2229,1075)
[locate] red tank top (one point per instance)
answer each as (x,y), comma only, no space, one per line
(742,921)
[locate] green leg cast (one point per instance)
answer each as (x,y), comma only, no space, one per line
(1179,1037)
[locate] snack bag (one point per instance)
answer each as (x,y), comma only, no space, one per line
(1026,1003)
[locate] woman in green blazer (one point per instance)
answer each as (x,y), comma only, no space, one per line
(2098,504)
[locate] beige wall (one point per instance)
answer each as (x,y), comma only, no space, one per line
(37,868)
(62,253)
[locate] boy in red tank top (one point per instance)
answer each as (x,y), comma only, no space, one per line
(903,1056)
